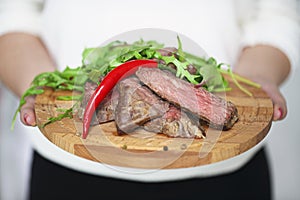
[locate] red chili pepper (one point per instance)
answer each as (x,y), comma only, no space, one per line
(107,84)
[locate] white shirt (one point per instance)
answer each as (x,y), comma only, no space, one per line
(221,28)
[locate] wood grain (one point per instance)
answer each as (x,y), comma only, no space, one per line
(148,150)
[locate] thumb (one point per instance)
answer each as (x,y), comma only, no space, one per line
(279,102)
(27,113)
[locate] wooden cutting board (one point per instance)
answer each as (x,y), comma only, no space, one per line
(152,151)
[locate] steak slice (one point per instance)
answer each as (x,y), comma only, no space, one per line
(137,104)
(176,123)
(210,108)
(105,111)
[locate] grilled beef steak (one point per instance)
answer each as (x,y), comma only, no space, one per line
(210,108)
(136,105)
(139,107)
(176,123)
(105,111)
(160,102)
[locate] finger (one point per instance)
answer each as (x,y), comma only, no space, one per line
(279,102)
(280,108)
(27,113)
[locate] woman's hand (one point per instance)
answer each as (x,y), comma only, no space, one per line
(269,67)
(279,102)
(27,113)
(22,57)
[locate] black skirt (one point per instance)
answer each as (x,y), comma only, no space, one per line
(52,181)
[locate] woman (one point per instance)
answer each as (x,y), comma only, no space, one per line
(52,35)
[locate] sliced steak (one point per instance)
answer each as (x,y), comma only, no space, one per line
(89,89)
(105,111)
(210,108)
(137,104)
(176,123)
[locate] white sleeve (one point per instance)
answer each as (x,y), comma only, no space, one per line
(276,23)
(20,16)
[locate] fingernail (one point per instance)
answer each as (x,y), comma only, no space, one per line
(278,114)
(27,119)
(281,113)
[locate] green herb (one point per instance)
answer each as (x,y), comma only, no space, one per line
(181,53)
(69,98)
(67,113)
(240,78)
(69,79)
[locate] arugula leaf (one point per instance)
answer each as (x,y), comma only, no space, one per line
(181,68)
(69,79)
(181,53)
(104,59)
(212,77)
(69,98)
(67,113)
